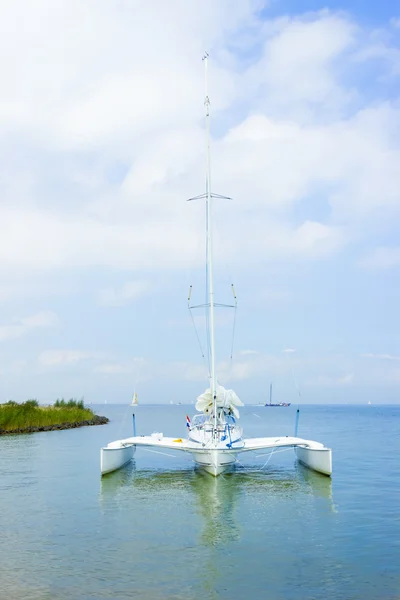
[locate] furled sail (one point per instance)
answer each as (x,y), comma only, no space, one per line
(226,399)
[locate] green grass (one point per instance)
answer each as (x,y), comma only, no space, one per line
(30,414)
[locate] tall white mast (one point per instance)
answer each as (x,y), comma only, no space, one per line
(213,383)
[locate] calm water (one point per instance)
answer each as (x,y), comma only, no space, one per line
(159,530)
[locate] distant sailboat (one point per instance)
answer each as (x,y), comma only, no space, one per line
(135,400)
(270,399)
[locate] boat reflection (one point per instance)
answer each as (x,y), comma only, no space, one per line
(319,485)
(216,499)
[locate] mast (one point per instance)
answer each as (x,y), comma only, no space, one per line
(270,392)
(210,280)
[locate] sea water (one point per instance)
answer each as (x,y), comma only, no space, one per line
(158,529)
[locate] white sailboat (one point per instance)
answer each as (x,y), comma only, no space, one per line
(135,400)
(214,435)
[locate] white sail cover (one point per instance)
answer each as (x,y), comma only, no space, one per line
(226,399)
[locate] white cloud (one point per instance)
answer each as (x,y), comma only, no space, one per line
(381,356)
(13,287)
(55,358)
(147,116)
(24,325)
(297,60)
(226,372)
(254,363)
(185,370)
(117,74)
(394,376)
(248,352)
(331,381)
(101,136)
(48,238)
(381,258)
(124,294)
(346,378)
(137,366)
(314,371)
(352,164)
(238,371)
(382,46)
(41,319)
(112,369)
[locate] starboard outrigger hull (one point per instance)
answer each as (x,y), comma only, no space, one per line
(317,459)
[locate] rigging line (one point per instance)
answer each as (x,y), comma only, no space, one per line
(239,462)
(275,451)
(267,461)
(224,260)
(233,338)
(227,267)
(207,444)
(158,452)
(198,339)
(233,332)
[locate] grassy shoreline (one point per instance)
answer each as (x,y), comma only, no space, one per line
(29,417)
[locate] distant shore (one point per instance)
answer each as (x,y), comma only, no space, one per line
(29,417)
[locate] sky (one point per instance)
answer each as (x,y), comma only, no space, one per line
(101,144)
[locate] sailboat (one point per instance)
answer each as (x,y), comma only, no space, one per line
(135,400)
(214,436)
(270,399)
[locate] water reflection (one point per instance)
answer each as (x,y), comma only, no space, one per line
(214,499)
(319,485)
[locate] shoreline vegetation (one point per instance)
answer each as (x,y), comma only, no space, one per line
(30,417)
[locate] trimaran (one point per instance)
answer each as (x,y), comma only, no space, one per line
(214,435)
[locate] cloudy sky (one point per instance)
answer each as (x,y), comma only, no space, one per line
(102,141)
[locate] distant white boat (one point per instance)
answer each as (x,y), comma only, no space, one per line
(214,436)
(135,400)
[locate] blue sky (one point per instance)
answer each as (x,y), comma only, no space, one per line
(102,140)
(373,14)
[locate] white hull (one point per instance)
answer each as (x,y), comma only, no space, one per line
(114,456)
(317,459)
(220,459)
(216,462)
